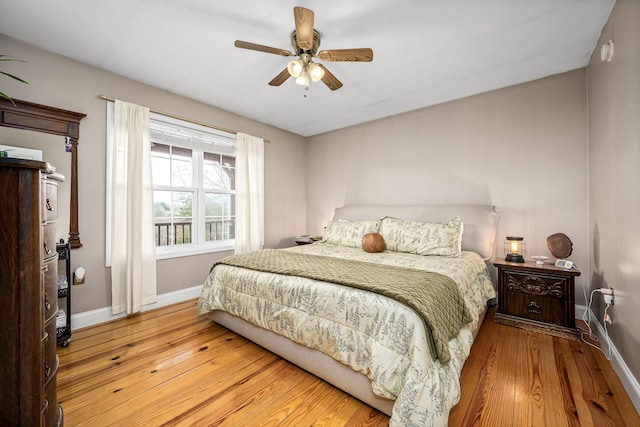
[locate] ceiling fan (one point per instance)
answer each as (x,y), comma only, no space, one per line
(306,41)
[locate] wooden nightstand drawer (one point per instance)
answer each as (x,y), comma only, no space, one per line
(536,297)
(540,298)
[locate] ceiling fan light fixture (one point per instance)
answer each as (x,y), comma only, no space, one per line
(303,78)
(295,68)
(316,72)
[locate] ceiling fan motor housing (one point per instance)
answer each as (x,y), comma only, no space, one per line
(299,50)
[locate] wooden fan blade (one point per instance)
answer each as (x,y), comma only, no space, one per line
(280,78)
(347,55)
(329,79)
(260,48)
(304,27)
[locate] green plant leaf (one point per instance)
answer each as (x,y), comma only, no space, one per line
(14,77)
(10,58)
(7,58)
(2,95)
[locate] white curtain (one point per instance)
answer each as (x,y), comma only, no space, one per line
(249,193)
(133,263)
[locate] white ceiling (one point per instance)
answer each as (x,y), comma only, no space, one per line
(425,51)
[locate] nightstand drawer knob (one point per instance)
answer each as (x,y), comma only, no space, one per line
(533,307)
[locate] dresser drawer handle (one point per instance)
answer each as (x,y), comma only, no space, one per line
(47,370)
(49,208)
(46,248)
(533,307)
(47,304)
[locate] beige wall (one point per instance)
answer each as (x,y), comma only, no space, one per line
(614,177)
(523,149)
(66,84)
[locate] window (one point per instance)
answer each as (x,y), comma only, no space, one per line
(193,173)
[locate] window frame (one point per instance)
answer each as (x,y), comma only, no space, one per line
(198,245)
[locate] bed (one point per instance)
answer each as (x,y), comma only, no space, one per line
(392,355)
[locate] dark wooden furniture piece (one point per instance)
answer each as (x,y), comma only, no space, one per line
(303,240)
(63,333)
(28,298)
(41,118)
(538,298)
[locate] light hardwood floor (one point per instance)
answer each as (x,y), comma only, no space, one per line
(169,367)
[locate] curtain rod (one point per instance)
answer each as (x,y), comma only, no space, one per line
(173,116)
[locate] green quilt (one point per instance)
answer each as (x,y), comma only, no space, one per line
(433,296)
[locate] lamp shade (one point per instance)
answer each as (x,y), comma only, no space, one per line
(303,78)
(514,249)
(316,72)
(295,68)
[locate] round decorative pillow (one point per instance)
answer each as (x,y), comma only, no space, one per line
(373,242)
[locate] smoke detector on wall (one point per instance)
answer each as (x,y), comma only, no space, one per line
(606,53)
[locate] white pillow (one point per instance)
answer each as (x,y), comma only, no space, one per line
(349,233)
(422,238)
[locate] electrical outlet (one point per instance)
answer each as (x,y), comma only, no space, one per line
(78,276)
(608,298)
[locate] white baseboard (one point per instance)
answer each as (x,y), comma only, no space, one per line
(629,382)
(101,315)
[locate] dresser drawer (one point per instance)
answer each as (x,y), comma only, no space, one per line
(50,358)
(50,408)
(50,289)
(49,242)
(43,198)
(50,207)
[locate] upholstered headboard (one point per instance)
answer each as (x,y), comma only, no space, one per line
(480,221)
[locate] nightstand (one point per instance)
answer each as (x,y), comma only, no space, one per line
(307,239)
(537,297)
(304,240)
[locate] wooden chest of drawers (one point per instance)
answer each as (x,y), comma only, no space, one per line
(28,294)
(540,298)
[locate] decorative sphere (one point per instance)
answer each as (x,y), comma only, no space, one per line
(373,242)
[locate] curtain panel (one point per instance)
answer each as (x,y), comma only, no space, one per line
(133,263)
(249,193)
